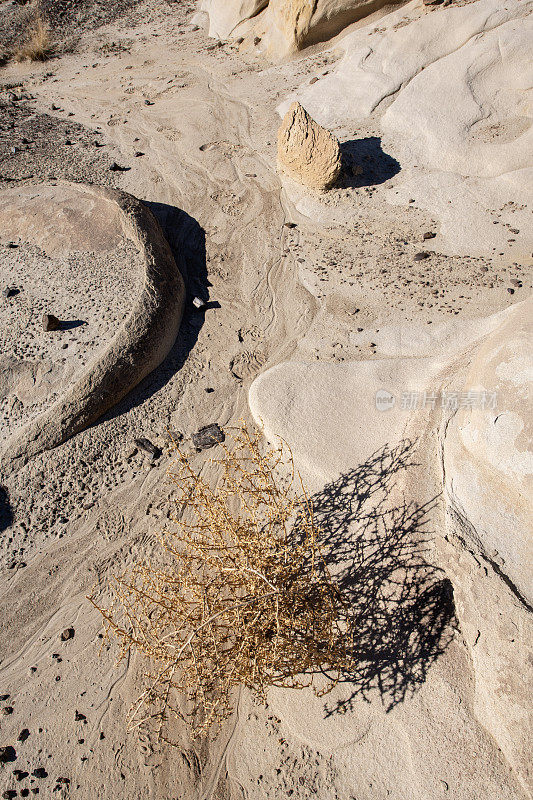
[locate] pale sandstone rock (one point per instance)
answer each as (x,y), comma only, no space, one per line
(225,15)
(66,216)
(488,466)
(458,124)
(286,26)
(484,546)
(294,24)
(307,152)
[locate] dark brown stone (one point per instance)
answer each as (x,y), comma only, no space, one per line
(50,323)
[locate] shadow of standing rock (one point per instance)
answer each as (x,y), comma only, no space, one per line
(365,163)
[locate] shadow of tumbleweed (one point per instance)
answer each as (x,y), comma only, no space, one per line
(399,614)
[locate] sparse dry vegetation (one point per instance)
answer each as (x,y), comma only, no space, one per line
(37,45)
(246,598)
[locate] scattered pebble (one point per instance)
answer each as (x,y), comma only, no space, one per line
(421,256)
(67,634)
(23,735)
(40,772)
(429,235)
(117,168)
(50,323)
(7,753)
(145,444)
(208,436)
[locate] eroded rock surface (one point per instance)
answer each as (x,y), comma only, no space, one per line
(141,343)
(307,152)
(455,99)
(488,463)
(286,26)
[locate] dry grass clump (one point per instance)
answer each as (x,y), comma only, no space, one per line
(37,45)
(246,598)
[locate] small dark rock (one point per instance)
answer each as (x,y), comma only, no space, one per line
(40,772)
(148,102)
(79,717)
(148,447)
(313,80)
(4,697)
(7,710)
(209,389)
(511,291)
(117,168)
(138,154)
(50,323)
(23,735)
(9,794)
(208,436)
(429,235)
(516,282)
(290,225)
(257,39)
(421,256)
(11,291)
(7,753)
(20,774)
(67,634)
(13,245)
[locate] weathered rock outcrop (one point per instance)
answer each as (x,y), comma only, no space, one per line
(488,466)
(307,152)
(456,118)
(226,15)
(143,340)
(285,26)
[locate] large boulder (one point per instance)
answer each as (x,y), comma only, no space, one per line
(67,218)
(307,152)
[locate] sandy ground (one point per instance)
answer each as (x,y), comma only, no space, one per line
(324,290)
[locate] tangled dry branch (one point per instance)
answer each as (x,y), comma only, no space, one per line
(246,598)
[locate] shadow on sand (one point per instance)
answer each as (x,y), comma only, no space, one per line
(6,514)
(187,241)
(400,610)
(366,155)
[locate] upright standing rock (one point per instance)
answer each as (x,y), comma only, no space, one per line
(307,152)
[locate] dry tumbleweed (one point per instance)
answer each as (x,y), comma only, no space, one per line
(245,599)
